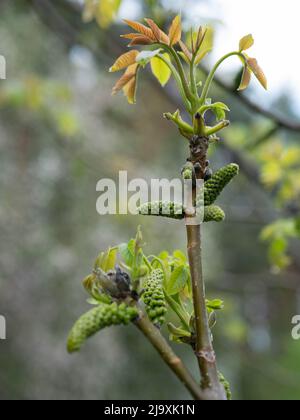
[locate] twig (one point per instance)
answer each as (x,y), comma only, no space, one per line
(168,355)
(280,121)
(203,346)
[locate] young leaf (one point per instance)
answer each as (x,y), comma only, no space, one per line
(130,91)
(258,72)
(246,79)
(175,31)
(127,252)
(110,259)
(124,61)
(131,36)
(216,304)
(142,29)
(123,81)
(160,70)
(180,256)
(246,42)
(178,280)
(128,83)
(140,40)
(186,51)
(157,32)
(207,41)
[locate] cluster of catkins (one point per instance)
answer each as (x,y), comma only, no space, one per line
(154,298)
(102,316)
(212,189)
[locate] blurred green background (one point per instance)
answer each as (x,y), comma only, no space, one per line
(60,132)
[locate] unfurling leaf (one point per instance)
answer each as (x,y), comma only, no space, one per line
(130,91)
(131,36)
(142,29)
(157,32)
(128,83)
(178,281)
(175,31)
(258,72)
(160,70)
(246,78)
(125,60)
(123,81)
(246,42)
(186,51)
(140,40)
(202,40)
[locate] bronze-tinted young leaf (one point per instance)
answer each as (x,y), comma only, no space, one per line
(124,61)
(141,40)
(258,72)
(142,29)
(175,31)
(130,91)
(246,78)
(155,29)
(130,36)
(186,51)
(126,78)
(246,42)
(200,38)
(128,83)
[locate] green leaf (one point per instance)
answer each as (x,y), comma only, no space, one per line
(246,42)
(127,252)
(180,256)
(215,305)
(145,57)
(178,280)
(218,108)
(160,70)
(110,259)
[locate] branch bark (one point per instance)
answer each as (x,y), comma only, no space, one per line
(168,355)
(203,347)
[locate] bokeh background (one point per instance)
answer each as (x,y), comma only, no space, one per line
(61,131)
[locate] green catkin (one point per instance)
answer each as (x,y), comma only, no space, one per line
(162,208)
(226,386)
(211,213)
(104,315)
(154,298)
(218,182)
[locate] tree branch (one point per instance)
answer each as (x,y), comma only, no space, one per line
(168,355)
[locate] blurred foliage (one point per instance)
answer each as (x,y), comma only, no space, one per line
(104,11)
(50,230)
(44,99)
